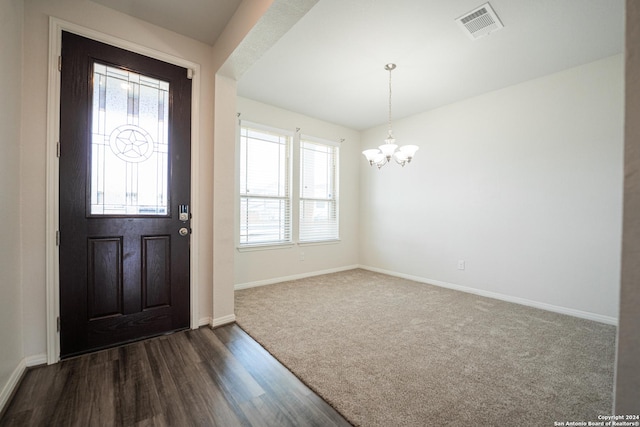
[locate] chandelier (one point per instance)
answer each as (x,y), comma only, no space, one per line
(383,154)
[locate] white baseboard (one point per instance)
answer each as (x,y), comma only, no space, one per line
(37,360)
(522,301)
(14,380)
(204,321)
(219,321)
(12,384)
(293,277)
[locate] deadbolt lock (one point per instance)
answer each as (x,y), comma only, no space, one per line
(184,213)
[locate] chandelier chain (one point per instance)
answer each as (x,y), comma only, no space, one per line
(390,130)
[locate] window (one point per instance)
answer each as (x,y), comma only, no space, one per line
(129,144)
(265,202)
(275,208)
(318,191)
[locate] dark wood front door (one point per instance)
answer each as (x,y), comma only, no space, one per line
(125,134)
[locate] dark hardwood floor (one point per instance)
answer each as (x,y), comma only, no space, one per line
(204,377)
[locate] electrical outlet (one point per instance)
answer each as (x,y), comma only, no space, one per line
(460,264)
(301,256)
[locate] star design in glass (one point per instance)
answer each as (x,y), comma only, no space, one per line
(132,143)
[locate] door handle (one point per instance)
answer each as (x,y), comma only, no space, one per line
(183,231)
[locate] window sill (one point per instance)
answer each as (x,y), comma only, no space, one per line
(268,247)
(265,247)
(320,242)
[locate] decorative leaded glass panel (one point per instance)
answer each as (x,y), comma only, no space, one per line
(129,144)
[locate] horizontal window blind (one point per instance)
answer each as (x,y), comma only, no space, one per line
(265,200)
(318,192)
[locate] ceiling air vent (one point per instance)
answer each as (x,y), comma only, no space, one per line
(480,22)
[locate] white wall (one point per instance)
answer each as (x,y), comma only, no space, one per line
(223,197)
(11,332)
(107,21)
(524,184)
(263,265)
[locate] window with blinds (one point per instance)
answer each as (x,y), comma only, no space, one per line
(265,200)
(318,192)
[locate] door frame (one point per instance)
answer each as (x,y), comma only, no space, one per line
(56,27)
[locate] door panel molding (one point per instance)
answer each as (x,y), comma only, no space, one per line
(105,277)
(56,27)
(156,271)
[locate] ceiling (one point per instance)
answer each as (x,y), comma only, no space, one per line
(202,20)
(330,64)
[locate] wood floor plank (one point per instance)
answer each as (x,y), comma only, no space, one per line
(225,370)
(265,411)
(264,368)
(168,394)
(226,388)
(137,395)
(17,419)
(202,377)
(72,407)
(204,397)
(102,405)
(46,388)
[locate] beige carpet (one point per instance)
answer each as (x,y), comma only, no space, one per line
(386,351)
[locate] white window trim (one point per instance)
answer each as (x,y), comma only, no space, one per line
(278,131)
(320,141)
(294,194)
(260,126)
